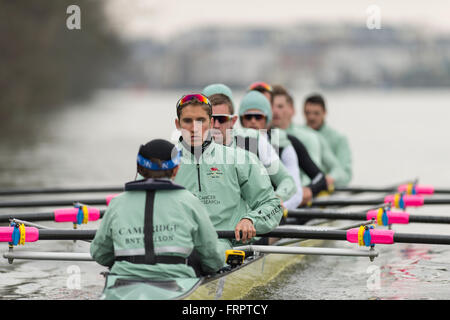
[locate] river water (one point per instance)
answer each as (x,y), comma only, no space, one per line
(395,135)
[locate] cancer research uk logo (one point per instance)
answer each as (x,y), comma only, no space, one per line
(214,172)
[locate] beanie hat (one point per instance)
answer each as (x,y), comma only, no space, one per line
(218,88)
(256,100)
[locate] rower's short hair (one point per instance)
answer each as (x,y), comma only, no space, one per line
(220,98)
(315,99)
(279,90)
(154,174)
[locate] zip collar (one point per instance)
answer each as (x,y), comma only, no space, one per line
(197,151)
(152,184)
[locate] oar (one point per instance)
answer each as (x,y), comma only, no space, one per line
(409,188)
(386,189)
(354,235)
(375,236)
(55,203)
(76,215)
(58,215)
(397,200)
(382,217)
(357,189)
(60,190)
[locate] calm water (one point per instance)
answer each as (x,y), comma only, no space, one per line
(394,135)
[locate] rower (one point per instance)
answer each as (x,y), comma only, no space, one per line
(315,113)
(318,148)
(282,109)
(255,113)
(151,229)
(223,132)
(309,172)
(229,181)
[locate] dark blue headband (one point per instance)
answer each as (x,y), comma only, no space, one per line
(165,165)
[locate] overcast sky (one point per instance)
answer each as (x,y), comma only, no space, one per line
(162,18)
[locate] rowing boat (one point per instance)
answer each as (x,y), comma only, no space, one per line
(265,264)
(256,271)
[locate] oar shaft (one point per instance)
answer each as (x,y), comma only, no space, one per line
(421,238)
(368,202)
(49,203)
(436,201)
(33,216)
(429,219)
(347,202)
(326,214)
(366,189)
(356,189)
(62,234)
(313,213)
(59,190)
(442,191)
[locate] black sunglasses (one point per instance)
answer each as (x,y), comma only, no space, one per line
(222,118)
(257,116)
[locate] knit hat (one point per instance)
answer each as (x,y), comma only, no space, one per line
(218,88)
(256,100)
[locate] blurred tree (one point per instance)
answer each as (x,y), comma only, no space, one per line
(43,64)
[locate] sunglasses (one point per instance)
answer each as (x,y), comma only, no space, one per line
(250,116)
(260,85)
(192,97)
(222,118)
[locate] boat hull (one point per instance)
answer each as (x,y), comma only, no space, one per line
(253,275)
(120,288)
(236,284)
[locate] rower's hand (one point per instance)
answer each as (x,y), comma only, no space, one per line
(307,196)
(246,227)
(330,182)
